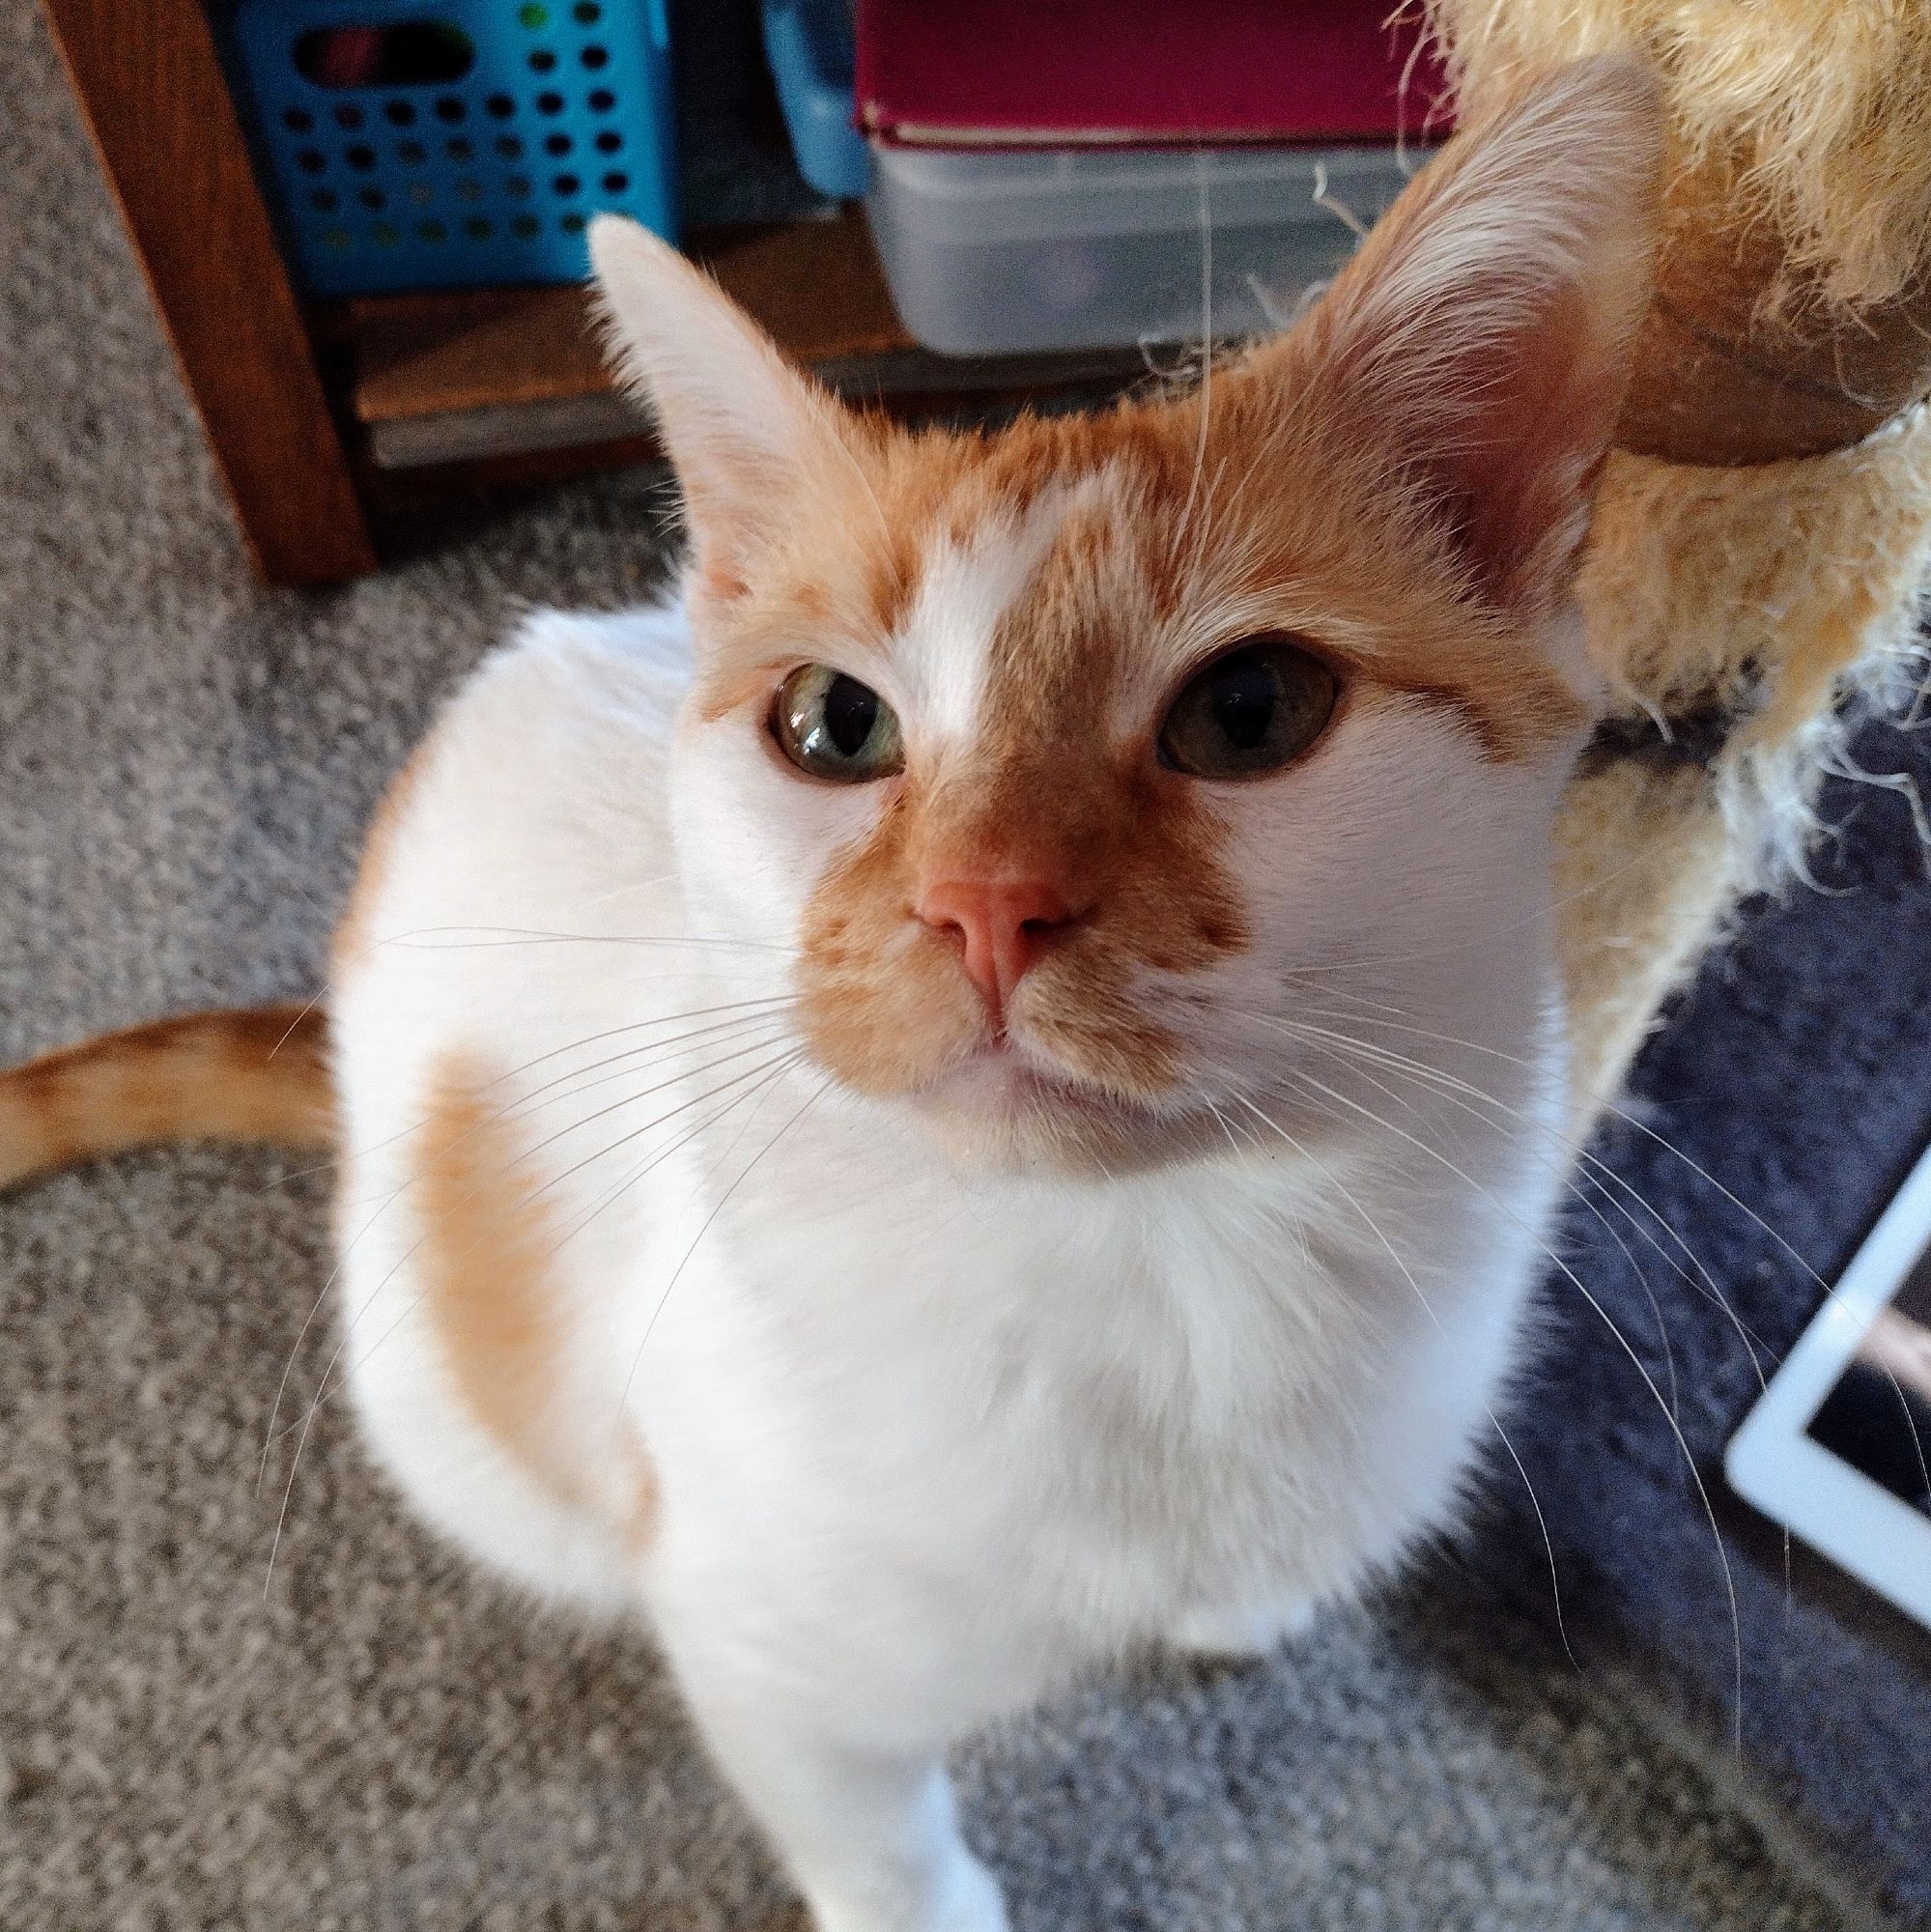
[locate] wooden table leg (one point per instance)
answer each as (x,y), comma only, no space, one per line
(151,86)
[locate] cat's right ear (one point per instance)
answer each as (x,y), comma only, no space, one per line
(746,433)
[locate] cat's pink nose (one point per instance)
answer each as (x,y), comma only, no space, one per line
(1003,925)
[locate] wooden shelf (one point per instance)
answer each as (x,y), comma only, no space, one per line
(482,377)
(332,424)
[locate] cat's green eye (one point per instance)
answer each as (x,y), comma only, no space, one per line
(836,727)
(1252,710)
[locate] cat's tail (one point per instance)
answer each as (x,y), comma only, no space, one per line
(256,1074)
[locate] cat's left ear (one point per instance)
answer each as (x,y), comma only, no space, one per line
(746,433)
(1481,340)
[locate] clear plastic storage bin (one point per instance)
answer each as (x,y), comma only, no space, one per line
(1018,250)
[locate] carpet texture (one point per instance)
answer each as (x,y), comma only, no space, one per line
(1772,1123)
(215,1711)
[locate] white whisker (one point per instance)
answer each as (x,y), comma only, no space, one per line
(1408,1275)
(1621,1340)
(518,1159)
(1351,1052)
(676,1274)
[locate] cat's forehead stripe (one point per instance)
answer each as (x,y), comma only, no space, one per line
(1065,574)
(967,583)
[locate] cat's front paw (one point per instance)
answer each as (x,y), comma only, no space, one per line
(962,1897)
(1239,1634)
(974,1902)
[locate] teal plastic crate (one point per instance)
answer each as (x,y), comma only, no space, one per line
(456,144)
(810,46)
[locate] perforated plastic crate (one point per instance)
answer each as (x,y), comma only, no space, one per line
(455,143)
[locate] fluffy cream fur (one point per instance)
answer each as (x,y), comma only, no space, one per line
(1825,105)
(1782,591)
(1786,593)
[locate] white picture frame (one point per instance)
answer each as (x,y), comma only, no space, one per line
(1778,1468)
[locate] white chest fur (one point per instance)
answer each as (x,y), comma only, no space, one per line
(1128,1403)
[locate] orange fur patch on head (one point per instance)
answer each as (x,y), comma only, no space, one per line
(1171,541)
(880,1005)
(1047,789)
(1274,515)
(493,1296)
(1178,528)
(1334,547)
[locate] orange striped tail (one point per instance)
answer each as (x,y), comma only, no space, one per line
(258,1074)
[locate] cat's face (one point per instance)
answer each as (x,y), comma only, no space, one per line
(1068,800)
(1088,771)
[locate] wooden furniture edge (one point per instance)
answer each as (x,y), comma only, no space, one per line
(155,99)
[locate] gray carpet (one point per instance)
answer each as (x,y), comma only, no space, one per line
(371,1735)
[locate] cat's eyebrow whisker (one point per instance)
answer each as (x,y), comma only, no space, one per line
(1408,1274)
(1205,389)
(1203,520)
(1623,1341)
(1229,504)
(858,469)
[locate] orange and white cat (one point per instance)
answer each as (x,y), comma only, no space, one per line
(879,1098)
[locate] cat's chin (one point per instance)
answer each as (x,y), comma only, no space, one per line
(1003,1109)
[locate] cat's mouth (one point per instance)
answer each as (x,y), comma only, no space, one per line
(1003,1080)
(1008,1104)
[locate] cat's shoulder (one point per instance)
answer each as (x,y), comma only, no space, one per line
(537,786)
(622,669)
(574,708)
